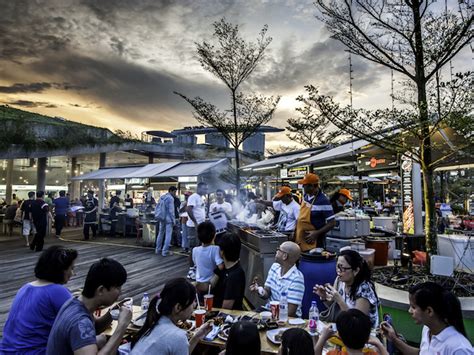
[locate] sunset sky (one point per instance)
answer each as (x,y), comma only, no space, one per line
(116,63)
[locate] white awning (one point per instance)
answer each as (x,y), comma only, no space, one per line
(275,162)
(342,151)
(151,170)
(107,173)
(192,168)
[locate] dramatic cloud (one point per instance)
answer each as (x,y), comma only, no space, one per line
(35,87)
(116,63)
(26,103)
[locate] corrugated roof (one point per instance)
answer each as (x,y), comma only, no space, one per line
(151,170)
(192,168)
(107,173)
(286,159)
(342,151)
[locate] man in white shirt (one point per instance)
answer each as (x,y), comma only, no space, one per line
(284,276)
(196,214)
(219,213)
(288,208)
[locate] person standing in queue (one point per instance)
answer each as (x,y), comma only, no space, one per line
(316,215)
(339,200)
(114,208)
(39,212)
(91,205)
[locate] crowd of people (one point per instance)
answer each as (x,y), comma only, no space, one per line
(45,318)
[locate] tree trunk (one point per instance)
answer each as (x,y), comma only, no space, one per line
(430,213)
(236,146)
(425,141)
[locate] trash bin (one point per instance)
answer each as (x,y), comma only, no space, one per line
(316,269)
(381,246)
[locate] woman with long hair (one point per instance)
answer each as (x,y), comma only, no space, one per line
(37,303)
(439,311)
(160,334)
(353,287)
(244,338)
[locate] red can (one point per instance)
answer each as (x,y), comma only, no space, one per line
(275,309)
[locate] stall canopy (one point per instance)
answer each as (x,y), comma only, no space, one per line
(160,170)
(336,155)
(151,170)
(283,159)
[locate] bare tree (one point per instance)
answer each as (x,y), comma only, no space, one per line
(415,39)
(312,128)
(232,60)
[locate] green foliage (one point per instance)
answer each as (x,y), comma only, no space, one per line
(18,130)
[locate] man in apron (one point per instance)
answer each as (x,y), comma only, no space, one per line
(316,215)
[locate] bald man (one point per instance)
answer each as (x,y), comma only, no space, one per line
(284,276)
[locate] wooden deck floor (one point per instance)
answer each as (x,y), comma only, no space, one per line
(147,272)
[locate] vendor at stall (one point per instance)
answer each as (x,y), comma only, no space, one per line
(288,208)
(339,200)
(316,216)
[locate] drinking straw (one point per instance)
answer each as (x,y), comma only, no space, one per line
(209,291)
(197,300)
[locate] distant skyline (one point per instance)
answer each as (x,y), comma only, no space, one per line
(116,63)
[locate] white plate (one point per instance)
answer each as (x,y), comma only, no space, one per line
(297,322)
(139,322)
(272,333)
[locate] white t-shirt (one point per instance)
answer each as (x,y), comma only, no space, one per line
(288,215)
(448,342)
(225,207)
(199,210)
(206,259)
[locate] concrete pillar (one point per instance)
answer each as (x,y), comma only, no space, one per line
(417,199)
(101,195)
(41,167)
(75,186)
(9,181)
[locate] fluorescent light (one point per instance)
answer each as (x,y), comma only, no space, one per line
(333,166)
(380,175)
(266,167)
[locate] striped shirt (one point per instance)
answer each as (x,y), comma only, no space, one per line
(292,282)
(321,209)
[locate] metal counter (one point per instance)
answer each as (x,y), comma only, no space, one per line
(256,255)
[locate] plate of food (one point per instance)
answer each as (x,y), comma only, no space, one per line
(224,334)
(274,335)
(187,325)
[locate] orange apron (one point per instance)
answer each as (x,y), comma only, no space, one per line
(304,225)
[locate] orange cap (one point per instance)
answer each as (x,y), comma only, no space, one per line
(309,179)
(346,192)
(284,190)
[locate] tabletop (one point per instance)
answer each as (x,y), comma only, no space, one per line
(267,347)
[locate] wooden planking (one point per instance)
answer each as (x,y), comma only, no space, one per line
(146,271)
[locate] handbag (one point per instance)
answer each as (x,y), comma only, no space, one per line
(330,314)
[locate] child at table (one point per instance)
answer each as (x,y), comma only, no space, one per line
(206,257)
(244,338)
(296,341)
(353,327)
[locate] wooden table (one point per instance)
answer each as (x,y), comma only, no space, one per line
(267,347)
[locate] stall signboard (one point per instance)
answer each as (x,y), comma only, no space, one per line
(380,162)
(296,172)
(407,194)
(136,181)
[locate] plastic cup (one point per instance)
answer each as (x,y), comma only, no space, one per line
(199,315)
(266,316)
(208,302)
(275,309)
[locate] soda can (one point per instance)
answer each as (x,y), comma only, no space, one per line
(275,309)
